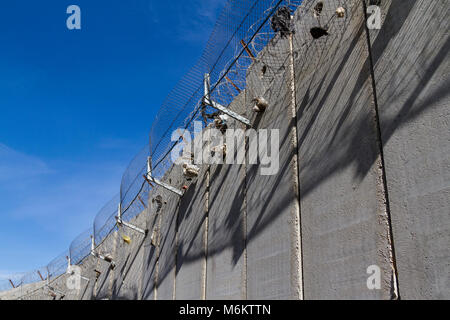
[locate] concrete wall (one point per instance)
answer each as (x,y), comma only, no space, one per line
(364,176)
(102,287)
(411,67)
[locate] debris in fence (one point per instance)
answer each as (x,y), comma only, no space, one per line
(318,9)
(260,104)
(40,275)
(318,32)
(281,21)
(340,12)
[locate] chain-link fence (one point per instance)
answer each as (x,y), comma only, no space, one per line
(244,29)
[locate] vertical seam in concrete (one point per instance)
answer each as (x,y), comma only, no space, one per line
(298,277)
(205,237)
(380,147)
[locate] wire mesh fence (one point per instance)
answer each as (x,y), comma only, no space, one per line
(247,33)
(134,188)
(57,266)
(5,285)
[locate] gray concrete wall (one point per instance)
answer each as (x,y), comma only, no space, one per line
(88,267)
(102,287)
(32,291)
(273,249)
(151,250)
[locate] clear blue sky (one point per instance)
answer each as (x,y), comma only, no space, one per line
(77,105)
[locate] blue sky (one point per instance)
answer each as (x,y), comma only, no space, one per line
(77,105)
